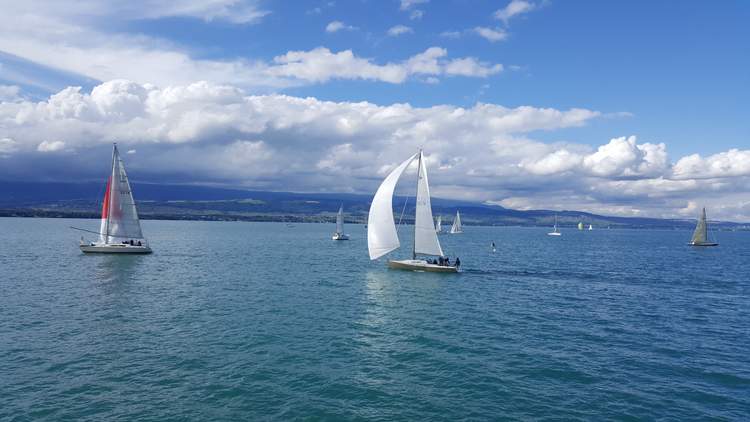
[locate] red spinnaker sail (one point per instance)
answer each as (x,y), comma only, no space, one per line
(105,204)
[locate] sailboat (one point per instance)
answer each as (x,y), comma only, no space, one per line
(382,236)
(456,227)
(554,231)
(591,227)
(439,224)
(700,235)
(120,230)
(580,225)
(339,234)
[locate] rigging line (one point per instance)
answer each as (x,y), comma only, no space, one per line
(91,231)
(402,211)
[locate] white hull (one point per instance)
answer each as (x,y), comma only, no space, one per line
(340,236)
(554,234)
(703,244)
(114,248)
(420,265)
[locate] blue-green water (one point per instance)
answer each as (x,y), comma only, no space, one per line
(257,321)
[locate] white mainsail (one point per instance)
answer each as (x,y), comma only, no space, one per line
(456,227)
(340,221)
(121,220)
(425,238)
(700,235)
(381,229)
(439,224)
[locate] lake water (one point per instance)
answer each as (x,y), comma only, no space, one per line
(259,321)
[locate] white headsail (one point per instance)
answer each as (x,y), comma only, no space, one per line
(700,235)
(456,227)
(425,238)
(340,221)
(381,229)
(121,216)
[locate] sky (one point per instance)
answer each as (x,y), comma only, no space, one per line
(633,108)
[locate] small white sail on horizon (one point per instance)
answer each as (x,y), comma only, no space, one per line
(554,231)
(700,235)
(456,226)
(382,236)
(120,229)
(339,234)
(591,227)
(439,224)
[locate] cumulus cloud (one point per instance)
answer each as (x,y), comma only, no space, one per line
(416,14)
(514,8)
(47,146)
(9,92)
(397,30)
(490,34)
(483,152)
(732,163)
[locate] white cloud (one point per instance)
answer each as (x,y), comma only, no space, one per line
(731,163)
(408,4)
(7,146)
(623,157)
(490,34)
(321,65)
(9,92)
(50,146)
(451,34)
(514,8)
(281,142)
(397,30)
(336,26)
(416,14)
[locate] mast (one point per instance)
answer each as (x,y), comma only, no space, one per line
(419,174)
(111,179)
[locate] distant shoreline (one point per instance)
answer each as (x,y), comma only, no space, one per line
(320,219)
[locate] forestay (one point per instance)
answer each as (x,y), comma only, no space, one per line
(425,238)
(381,229)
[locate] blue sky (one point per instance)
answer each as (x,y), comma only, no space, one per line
(672,73)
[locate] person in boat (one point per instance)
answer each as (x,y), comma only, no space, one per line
(139,243)
(458,260)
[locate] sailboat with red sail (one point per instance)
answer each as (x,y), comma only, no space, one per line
(120,230)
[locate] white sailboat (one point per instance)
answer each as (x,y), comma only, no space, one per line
(591,227)
(554,231)
(700,235)
(456,227)
(339,234)
(120,230)
(580,225)
(439,224)
(382,236)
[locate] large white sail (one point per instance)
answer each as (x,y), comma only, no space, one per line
(123,223)
(425,238)
(381,229)
(340,221)
(456,227)
(700,235)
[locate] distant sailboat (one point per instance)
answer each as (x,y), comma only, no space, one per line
(382,236)
(120,230)
(591,227)
(439,224)
(493,247)
(339,234)
(456,227)
(554,231)
(580,225)
(700,235)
